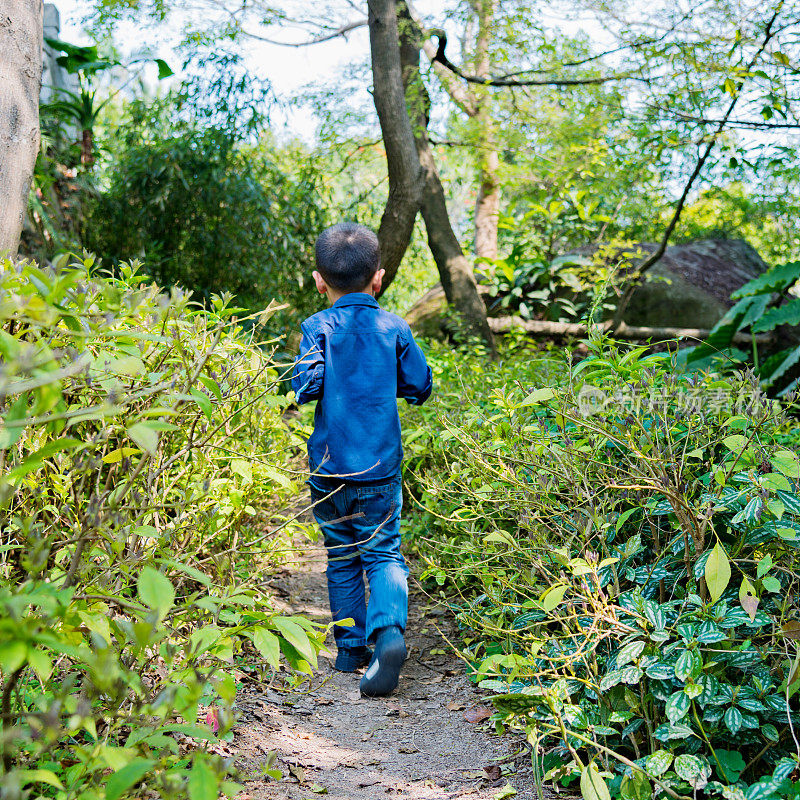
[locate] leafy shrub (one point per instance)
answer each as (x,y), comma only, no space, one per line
(559,290)
(212,216)
(141,438)
(765,305)
(625,546)
(194,181)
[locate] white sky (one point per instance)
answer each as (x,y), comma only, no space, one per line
(287,68)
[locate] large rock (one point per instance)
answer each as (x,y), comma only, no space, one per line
(690,287)
(426,317)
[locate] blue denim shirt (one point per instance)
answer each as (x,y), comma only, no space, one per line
(356,359)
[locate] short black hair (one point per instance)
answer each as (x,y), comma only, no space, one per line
(347,256)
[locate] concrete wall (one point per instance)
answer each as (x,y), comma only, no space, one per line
(54,77)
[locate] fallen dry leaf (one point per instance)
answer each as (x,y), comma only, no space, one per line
(477,714)
(791,629)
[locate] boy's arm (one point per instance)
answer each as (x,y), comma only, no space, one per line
(414,376)
(309,367)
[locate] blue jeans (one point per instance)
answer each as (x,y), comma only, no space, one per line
(361,527)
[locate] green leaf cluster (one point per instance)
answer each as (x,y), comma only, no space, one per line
(143,450)
(627,566)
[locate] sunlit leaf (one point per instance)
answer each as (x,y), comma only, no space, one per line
(717,572)
(553,596)
(155,590)
(593,787)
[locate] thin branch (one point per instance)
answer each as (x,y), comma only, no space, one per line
(341,31)
(587,60)
(662,247)
(736,123)
(506,80)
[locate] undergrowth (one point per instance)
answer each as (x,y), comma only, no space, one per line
(148,469)
(621,542)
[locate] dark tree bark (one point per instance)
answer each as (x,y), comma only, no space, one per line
(405,175)
(455,270)
(20,81)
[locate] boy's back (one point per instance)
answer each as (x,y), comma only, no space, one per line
(357,359)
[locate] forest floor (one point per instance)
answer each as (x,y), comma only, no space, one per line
(416,744)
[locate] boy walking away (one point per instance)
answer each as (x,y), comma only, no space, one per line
(356,359)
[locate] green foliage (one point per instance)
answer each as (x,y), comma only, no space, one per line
(761,214)
(86,59)
(84,106)
(140,439)
(213,213)
(624,545)
(559,290)
(765,304)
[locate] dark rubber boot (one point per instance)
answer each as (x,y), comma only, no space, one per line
(384,671)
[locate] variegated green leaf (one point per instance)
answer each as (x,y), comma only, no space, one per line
(659,762)
(677,707)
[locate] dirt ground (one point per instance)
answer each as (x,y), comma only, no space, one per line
(416,744)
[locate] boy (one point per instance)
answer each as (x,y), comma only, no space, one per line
(356,360)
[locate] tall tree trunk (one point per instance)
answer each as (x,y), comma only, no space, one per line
(405,179)
(20,80)
(475,102)
(455,270)
(487,205)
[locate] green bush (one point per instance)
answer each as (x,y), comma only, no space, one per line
(560,290)
(213,212)
(624,541)
(143,447)
(767,304)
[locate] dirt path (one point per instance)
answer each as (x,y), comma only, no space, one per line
(416,744)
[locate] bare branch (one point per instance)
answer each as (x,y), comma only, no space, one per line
(506,80)
(751,124)
(661,249)
(341,31)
